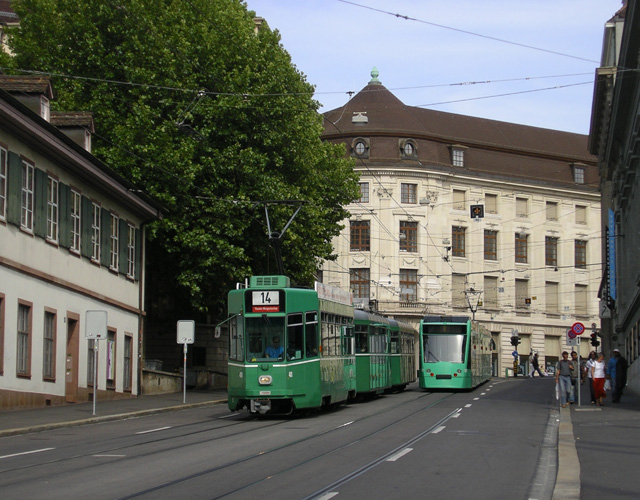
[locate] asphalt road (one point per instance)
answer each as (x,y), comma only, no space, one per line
(490,443)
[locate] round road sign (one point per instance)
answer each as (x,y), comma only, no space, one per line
(578,328)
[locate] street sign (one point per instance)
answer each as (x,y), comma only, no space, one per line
(572,338)
(578,328)
(186,331)
(96,325)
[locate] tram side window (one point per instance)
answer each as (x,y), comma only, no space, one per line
(311,334)
(236,339)
(347,340)
(362,345)
(330,335)
(295,336)
(395,344)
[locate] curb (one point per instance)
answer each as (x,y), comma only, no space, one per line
(567,485)
(106,418)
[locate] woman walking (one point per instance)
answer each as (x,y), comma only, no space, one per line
(598,375)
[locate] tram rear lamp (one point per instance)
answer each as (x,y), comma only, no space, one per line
(265,379)
(455,374)
(432,374)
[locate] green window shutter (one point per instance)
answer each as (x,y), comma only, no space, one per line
(123,244)
(105,237)
(138,264)
(41,197)
(64,214)
(14,188)
(87,219)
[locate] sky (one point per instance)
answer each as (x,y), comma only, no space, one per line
(530,62)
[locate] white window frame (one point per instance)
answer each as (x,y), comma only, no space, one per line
(131,251)
(3,183)
(52,209)
(457,157)
(95,232)
(76,221)
(26,204)
(114,238)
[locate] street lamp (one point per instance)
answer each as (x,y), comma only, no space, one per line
(473,299)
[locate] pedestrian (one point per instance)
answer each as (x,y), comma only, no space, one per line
(563,377)
(598,374)
(575,371)
(535,363)
(590,362)
(621,375)
(611,373)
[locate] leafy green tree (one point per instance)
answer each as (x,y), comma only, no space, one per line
(206,114)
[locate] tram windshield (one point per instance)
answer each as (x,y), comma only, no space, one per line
(265,338)
(442,347)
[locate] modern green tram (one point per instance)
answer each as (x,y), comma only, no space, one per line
(455,353)
(289,348)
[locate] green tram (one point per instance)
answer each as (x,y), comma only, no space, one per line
(373,364)
(289,348)
(403,354)
(455,353)
(385,353)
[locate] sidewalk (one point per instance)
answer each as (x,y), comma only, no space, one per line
(606,440)
(23,421)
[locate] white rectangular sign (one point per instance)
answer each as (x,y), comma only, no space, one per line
(186,331)
(96,325)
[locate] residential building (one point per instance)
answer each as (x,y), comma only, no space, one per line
(459,215)
(71,241)
(615,139)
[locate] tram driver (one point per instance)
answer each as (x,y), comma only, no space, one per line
(275,350)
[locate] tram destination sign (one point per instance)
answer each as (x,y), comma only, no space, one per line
(265,301)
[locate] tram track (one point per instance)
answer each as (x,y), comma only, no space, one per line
(243,460)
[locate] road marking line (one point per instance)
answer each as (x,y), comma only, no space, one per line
(109,456)
(344,425)
(326,496)
(468,406)
(476,399)
(400,454)
(439,429)
(26,453)
(456,415)
(154,430)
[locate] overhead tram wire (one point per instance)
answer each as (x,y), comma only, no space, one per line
(458,30)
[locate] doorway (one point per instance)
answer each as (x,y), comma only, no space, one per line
(71,366)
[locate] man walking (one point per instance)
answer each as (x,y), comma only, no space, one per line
(563,377)
(621,375)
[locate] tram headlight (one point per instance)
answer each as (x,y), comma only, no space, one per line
(265,379)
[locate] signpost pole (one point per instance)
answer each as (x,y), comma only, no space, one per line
(95,329)
(95,374)
(579,381)
(186,330)
(184,378)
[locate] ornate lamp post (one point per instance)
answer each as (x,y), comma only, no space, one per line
(473,299)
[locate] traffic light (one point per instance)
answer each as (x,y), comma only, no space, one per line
(515,340)
(594,340)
